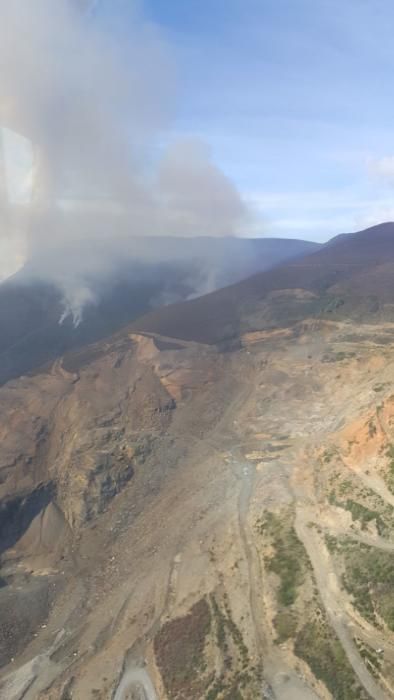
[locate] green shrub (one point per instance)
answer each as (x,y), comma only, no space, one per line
(317,644)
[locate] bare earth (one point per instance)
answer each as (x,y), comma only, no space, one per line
(153,471)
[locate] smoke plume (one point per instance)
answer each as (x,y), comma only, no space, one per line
(93,97)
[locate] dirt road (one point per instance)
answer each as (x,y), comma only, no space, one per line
(135,679)
(284,683)
(331,597)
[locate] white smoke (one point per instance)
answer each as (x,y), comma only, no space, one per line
(95,101)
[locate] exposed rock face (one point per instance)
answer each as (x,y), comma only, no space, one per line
(72,437)
(76,437)
(18,511)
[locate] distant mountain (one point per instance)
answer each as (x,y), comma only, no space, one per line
(178,269)
(352,275)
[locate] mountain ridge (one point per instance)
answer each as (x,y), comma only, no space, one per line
(30,311)
(218,315)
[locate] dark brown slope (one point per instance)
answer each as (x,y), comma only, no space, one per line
(353,275)
(164,269)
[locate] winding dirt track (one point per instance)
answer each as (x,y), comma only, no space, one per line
(330,594)
(284,683)
(135,679)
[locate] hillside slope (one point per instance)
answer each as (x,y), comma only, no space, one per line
(181,519)
(348,277)
(165,270)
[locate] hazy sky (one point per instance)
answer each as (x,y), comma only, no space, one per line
(292,97)
(93,160)
(296,99)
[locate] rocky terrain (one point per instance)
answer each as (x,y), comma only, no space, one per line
(208,518)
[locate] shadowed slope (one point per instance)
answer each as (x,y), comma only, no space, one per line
(30,334)
(352,274)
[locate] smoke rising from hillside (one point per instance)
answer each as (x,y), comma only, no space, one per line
(95,100)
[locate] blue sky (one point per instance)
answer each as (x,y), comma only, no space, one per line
(295,98)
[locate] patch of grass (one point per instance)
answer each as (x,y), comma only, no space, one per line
(331,543)
(179,650)
(359,512)
(389,476)
(371,658)
(225,626)
(372,430)
(338,356)
(363,514)
(369,576)
(369,506)
(344,487)
(236,635)
(220,625)
(390,451)
(289,561)
(285,623)
(328,454)
(233,694)
(332,305)
(218,687)
(318,646)
(238,673)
